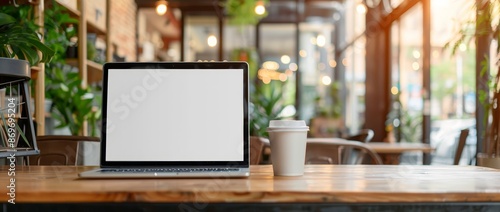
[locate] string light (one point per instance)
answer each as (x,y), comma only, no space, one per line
(326,80)
(332,63)
(320,40)
(462,47)
(285,59)
(303,53)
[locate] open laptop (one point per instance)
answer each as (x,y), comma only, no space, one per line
(182,119)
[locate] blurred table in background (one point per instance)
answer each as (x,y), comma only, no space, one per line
(391,152)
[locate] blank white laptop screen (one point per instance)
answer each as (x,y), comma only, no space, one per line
(175,115)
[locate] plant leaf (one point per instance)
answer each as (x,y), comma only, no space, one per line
(6,19)
(21,133)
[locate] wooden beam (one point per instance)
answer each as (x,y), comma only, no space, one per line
(426,78)
(40,78)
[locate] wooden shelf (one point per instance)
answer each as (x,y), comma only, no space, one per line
(71,11)
(72,61)
(91,71)
(34,72)
(94,70)
(35,69)
(93,28)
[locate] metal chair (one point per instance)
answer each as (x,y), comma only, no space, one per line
(460,146)
(60,150)
(257,145)
(339,151)
(365,136)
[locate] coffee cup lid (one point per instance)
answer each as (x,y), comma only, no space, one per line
(287,124)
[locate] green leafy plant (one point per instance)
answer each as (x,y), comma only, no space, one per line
(59,28)
(19,39)
(8,126)
(74,103)
(411,127)
(242,12)
(333,109)
(267,104)
(485,24)
(266,99)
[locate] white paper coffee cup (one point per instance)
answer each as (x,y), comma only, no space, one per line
(288,146)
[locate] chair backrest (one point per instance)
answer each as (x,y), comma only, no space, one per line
(59,150)
(460,146)
(365,136)
(339,151)
(257,146)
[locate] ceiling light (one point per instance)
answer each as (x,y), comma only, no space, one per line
(161,7)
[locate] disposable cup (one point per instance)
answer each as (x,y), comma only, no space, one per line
(288,146)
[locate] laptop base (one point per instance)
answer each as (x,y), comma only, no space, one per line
(104,173)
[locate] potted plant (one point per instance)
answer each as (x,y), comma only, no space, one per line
(265,99)
(486,25)
(73,104)
(328,121)
(243,12)
(21,41)
(267,104)
(20,47)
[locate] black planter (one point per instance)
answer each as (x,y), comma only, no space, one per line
(72,52)
(15,76)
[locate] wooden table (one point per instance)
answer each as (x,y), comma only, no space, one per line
(353,186)
(391,152)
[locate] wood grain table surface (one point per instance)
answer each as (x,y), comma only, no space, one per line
(319,184)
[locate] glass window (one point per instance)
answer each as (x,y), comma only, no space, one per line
(279,63)
(201,38)
(452,79)
(237,38)
(158,36)
(410,74)
(354,63)
(316,61)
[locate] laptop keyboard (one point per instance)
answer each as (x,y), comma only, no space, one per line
(166,170)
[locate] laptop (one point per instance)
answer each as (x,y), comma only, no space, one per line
(174,119)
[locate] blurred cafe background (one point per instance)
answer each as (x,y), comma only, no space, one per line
(409,70)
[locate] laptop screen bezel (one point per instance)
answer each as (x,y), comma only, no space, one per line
(176,65)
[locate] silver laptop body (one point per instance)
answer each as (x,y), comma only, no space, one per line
(182,119)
